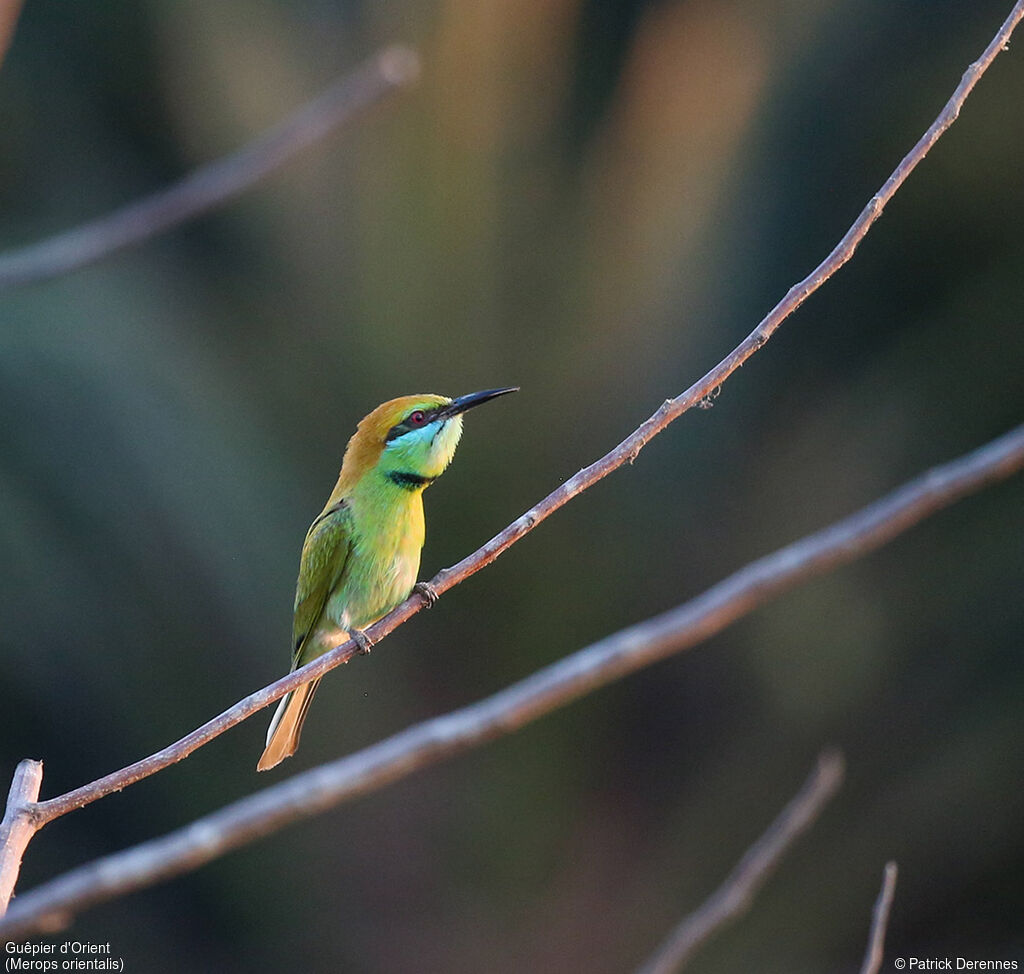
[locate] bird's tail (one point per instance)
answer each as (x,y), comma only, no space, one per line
(285,728)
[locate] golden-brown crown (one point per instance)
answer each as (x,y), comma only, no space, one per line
(367,443)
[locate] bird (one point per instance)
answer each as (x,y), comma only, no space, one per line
(362,552)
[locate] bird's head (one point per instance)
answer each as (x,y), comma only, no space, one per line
(411,439)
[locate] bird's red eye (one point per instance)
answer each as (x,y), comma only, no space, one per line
(417,417)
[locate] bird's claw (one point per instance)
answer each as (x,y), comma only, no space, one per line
(362,641)
(428,592)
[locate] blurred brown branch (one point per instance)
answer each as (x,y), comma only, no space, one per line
(556,685)
(216,182)
(17,827)
(880,921)
(736,895)
(9,12)
(628,449)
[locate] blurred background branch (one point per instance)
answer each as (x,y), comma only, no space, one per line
(9,10)
(736,895)
(217,182)
(880,921)
(312,792)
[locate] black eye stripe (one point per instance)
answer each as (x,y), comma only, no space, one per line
(400,429)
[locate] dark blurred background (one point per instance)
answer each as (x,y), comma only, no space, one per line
(594,199)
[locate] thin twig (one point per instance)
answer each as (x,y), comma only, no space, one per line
(880,921)
(9,13)
(736,895)
(216,182)
(627,450)
(556,685)
(18,826)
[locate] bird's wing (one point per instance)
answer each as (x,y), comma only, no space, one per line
(324,554)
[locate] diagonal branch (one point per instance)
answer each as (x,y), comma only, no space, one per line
(548,689)
(628,449)
(880,922)
(215,183)
(736,895)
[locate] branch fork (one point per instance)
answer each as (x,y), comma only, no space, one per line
(20,823)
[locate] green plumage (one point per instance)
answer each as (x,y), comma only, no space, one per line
(362,553)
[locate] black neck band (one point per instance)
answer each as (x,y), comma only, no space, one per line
(408,481)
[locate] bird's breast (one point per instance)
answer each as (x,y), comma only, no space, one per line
(382,562)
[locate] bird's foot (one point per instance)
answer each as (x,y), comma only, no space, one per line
(428,592)
(361,640)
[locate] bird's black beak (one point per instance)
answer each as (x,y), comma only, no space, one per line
(463,403)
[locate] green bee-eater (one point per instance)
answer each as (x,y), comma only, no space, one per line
(362,552)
